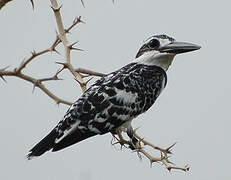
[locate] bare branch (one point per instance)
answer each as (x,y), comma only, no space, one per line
(53,78)
(33,55)
(89,72)
(74,23)
(166,151)
(62,36)
(139,149)
(54,44)
(37,83)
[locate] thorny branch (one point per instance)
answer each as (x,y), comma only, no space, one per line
(79,73)
(89,72)
(68,47)
(36,82)
(139,148)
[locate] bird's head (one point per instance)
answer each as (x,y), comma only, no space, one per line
(161,49)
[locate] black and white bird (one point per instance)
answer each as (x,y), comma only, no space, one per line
(114,100)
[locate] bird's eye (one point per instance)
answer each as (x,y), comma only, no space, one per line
(154,43)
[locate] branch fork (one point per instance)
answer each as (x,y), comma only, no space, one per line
(60,38)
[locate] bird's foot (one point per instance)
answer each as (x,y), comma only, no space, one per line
(136,143)
(120,140)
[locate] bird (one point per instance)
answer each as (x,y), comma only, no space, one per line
(114,100)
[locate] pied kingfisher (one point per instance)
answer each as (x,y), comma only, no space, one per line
(114,100)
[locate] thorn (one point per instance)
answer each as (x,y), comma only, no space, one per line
(167,160)
(23,61)
(71,45)
(3,79)
(55,77)
(187,168)
(78,20)
(57,102)
(139,156)
(35,84)
(168,150)
(67,31)
(32,3)
(55,51)
(59,71)
(151,163)
(73,48)
(89,80)
(173,144)
(56,9)
(82,3)
(33,88)
(61,63)
(77,49)
(52,49)
(33,53)
(79,82)
(114,143)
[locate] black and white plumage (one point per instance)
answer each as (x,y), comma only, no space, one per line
(117,98)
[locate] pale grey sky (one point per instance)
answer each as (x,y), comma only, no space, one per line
(193,110)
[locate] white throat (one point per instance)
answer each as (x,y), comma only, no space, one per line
(163,60)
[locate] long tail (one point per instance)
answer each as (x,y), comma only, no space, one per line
(44,145)
(49,143)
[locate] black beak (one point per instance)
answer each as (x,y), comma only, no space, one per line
(179,47)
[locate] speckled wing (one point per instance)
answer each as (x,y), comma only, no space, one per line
(110,102)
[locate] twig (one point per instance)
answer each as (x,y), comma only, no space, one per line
(89,72)
(36,82)
(75,22)
(165,151)
(33,55)
(62,36)
(139,149)
(17,72)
